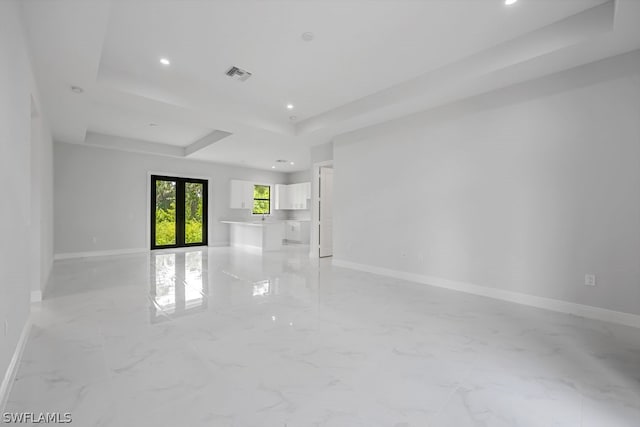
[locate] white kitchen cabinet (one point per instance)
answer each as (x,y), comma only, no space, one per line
(297,196)
(292,230)
(293,196)
(261,235)
(305,194)
(241,194)
(297,231)
(282,196)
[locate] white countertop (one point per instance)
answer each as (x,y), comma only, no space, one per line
(255,223)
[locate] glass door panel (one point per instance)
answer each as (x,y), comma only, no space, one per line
(165,213)
(193,208)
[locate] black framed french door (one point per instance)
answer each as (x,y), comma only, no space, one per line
(178,212)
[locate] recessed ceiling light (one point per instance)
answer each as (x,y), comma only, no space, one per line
(76,89)
(165,61)
(509,2)
(291,163)
(290,107)
(308,36)
(273,167)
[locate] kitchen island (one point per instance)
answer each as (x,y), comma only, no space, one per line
(258,235)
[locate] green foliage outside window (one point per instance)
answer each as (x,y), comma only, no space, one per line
(193,212)
(165,213)
(261,199)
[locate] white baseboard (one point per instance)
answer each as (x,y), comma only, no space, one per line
(12,369)
(73,255)
(36,296)
(587,311)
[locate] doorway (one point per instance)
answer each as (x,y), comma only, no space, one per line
(325,212)
(178,212)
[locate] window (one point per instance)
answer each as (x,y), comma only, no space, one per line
(261,200)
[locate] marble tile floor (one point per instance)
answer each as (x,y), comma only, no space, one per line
(224,338)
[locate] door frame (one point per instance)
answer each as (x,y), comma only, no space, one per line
(314,245)
(151,215)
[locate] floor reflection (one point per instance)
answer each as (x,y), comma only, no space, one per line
(262,288)
(178,285)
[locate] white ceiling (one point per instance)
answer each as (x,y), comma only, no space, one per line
(370,61)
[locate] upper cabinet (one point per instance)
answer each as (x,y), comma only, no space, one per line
(301,195)
(282,196)
(241,194)
(293,196)
(286,196)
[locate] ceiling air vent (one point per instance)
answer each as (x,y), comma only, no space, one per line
(238,73)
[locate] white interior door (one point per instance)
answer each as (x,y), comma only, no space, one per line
(325,223)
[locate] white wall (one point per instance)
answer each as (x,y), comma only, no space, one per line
(525,189)
(25,164)
(101,196)
(321,153)
(41,163)
(300,176)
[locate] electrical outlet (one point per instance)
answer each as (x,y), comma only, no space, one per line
(590,279)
